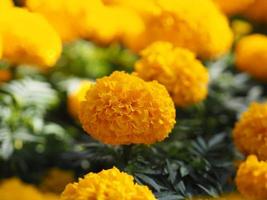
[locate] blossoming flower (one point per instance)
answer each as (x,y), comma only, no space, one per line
(32,40)
(250,132)
(107,185)
(181,23)
(251,178)
(124,109)
(56,180)
(251,55)
(257,11)
(15,189)
(177,69)
(77,96)
(231,7)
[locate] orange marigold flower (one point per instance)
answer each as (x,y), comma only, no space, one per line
(181,23)
(257,11)
(107,185)
(250,132)
(251,179)
(76,96)
(124,109)
(177,69)
(231,7)
(251,55)
(32,40)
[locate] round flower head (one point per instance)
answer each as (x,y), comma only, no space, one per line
(251,179)
(76,96)
(181,23)
(31,41)
(251,55)
(257,11)
(232,7)
(14,189)
(124,109)
(107,185)
(250,132)
(177,69)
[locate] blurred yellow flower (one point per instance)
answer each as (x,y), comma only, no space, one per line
(177,69)
(257,11)
(12,189)
(76,96)
(56,180)
(5,4)
(31,41)
(232,7)
(181,23)
(241,28)
(250,132)
(107,185)
(251,179)
(251,55)
(124,109)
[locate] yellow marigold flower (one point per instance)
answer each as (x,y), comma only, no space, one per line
(251,55)
(257,11)
(14,189)
(177,69)
(107,185)
(32,40)
(124,109)
(56,180)
(251,179)
(76,96)
(181,23)
(231,7)
(250,132)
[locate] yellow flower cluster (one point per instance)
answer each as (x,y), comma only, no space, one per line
(32,40)
(124,109)
(107,185)
(257,11)
(181,23)
(88,19)
(177,69)
(250,131)
(56,180)
(12,189)
(231,196)
(231,7)
(76,96)
(251,55)
(251,179)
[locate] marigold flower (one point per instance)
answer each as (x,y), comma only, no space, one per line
(177,69)
(76,96)
(257,11)
(124,109)
(181,23)
(56,180)
(32,40)
(107,185)
(15,189)
(251,55)
(232,7)
(251,178)
(250,132)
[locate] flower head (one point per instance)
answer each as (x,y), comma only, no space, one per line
(251,178)
(251,55)
(76,96)
(56,180)
(250,132)
(177,69)
(31,41)
(124,109)
(181,23)
(232,7)
(107,185)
